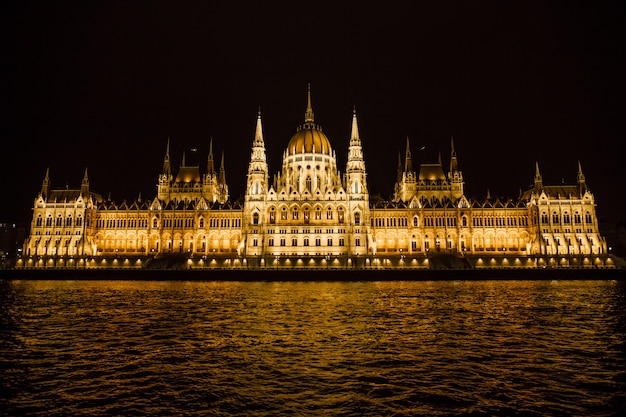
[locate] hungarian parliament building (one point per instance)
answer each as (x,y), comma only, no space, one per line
(309,215)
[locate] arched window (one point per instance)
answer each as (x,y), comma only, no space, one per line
(309,184)
(416,222)
(255,218)
(155,223)
(272,215)
(357,218)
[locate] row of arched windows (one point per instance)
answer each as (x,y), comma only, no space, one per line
(59,221)
(565,218)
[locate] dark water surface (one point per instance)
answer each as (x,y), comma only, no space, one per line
(445,348)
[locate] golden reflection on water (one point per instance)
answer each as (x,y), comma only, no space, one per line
(275,348)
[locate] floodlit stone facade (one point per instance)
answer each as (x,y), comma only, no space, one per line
(311,215)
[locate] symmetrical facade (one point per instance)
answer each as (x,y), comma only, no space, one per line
(311,215)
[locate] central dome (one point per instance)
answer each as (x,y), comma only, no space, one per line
(309,138)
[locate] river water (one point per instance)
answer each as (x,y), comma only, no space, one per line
(392,348)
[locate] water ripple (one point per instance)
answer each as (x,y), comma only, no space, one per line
(484,348)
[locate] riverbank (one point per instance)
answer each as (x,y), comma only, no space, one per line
(314,275)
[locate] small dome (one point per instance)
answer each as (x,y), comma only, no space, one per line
(309,139)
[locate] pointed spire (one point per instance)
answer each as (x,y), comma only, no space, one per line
(354,136)
(454,165)
(166,160)
(222,171)
(210,166)
(538,179)
(582,185)
(45,186)
(258,133)
(183,164)
(408,164)
(308,115)
(84,188)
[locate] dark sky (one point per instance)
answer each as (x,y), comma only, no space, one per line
(103,84)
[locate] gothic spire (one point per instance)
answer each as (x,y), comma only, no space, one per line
(84,187)
(355,140)
(210,167)
(45,186)
(355,150)
(222,171)
(258,133)
(454,165)
(538,179)
(167,169)
(581,179)
(308,115)
(408,164)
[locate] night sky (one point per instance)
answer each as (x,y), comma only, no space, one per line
(103,85)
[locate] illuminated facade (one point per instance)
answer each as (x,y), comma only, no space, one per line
(311,215)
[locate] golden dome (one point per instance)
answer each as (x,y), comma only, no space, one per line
(309,139)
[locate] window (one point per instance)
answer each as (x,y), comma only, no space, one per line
(295,214)
(342,241)
(330,241)
(306,241)
(357,241)
(294,241)
(282,241)
(415,221)
(270,241)
(272,216)
(255,218)
(318,241)
(329,214)
(283,214)
(357,218)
